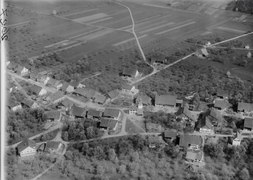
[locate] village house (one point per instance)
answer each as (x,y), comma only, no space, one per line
(53,147)
(66,104)
(216,117)
(245,107)
(194,155)
(222,94)
(108,124)
(130,73)
(12,66)
(53,115)
(143,100)
(139,112)
(132,110)
(155,142)
(99,98)
(11,86)
(43,79)
(158,58)
(14,105)
(113,94)
(190,141)
(54,83)
(204,125)
(26,148)
(34,76)
(170,134)
(37,90)
(55,97)
(26,103)
(202,53)
(221,104)
(129,90)
(112,113)
(22,71)
(7,63)
(248,124)
(78,112)
(93,113)
(193,116)
(67,88)
(165,101)
(75,84)
(85,92)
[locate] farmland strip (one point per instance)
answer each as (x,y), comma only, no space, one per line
(128,40)
(157,27)
(178,27)
(230,29)
(80,12)
(91,17)
(100,20)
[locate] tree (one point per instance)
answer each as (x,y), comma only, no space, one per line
(244,174)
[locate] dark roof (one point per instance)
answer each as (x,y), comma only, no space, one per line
(222,93)
(19,68)
(113,113)
(26,143)
(74,83)
(113,94)
(108,123)
(55,96)
(129,71)
(35,89)
(53,82)
(94,113)
(89,93)
(144,99)
(65,85)
(245,106)
(12,103)
(221,103)
(186,139)
(216,114)
(53,114)
(170,133)
(189,114)
(78,111)
(52,144)
(67,103)
(166,100)
(127,87)
(99,98)
(248,123)
(27,102)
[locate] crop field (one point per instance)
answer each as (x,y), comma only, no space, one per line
(83,28)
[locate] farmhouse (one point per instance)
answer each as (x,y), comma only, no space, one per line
(78,112)
(132,110)
(92,113)
(37,90)
(189,114)
(248,124)
(158,58)
(54,83)
(165,101)
(222,94)
(43,79)
(221,104)
(216,117)
(190,141)
(22,71)
(14,105)
(53,146)
(139,112)
(202,53)
(12,66)
(26,148)
(75,84)
(129,72)
(11,86)
(245,107)
(129,90)
(170,134)
(34,76)
(204,125)
(26,103)
(113,94)
(109,124)
(143,99)
(53,115)
(112,113)
(55,97)
(85,92)
(66,87)
(66,103)
(99,98)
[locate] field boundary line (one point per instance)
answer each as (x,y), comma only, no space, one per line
(157,27)
(177,27)
(80,12)
(128,40)
(230,29)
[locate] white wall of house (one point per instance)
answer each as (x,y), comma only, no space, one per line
(42,92)
(24,71)
(206,131)
(236,142)
(70,89)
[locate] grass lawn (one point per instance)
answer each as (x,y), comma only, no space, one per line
(131,128)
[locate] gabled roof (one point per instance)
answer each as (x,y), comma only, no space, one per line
(127,87)
(65,85)
(221,103)
(108,123)
(53,114)
(170,133)
(216,114)
(113,113)
(245,106)
(19,68)
(189,114)
(52,144)
(74,83)
(94,113)
(113,94)
(55,96)
(165,100)
(248,123)
(99,98)
(26,143)
(67,103)
(78,111)
(129,71)
(35,89)
(144,99)
(53,82)
(12,103)
(187,139)
(89,93)
(27,102)
(222,93)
